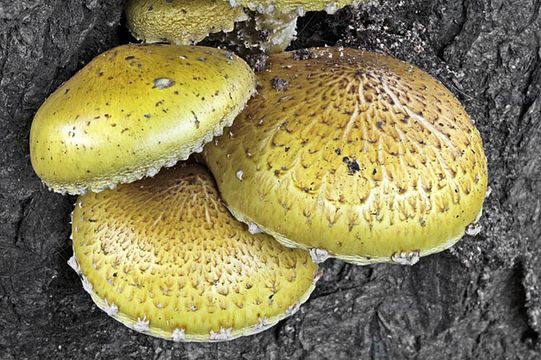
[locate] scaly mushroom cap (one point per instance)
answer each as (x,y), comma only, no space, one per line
(180,21)
(361,155)
(133,110)
(164,257)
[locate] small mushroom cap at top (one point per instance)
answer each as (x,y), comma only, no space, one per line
(133,110)
(165,257)
(355,153)
(180,21)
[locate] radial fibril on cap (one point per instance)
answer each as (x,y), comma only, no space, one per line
(358,154)
(133,110)
(180,21)
(165,257)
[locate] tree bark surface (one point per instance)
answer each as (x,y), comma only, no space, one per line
(480,300)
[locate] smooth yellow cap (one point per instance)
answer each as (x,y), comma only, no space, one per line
(164,257)
(133,110)
(180,21)
(354,153)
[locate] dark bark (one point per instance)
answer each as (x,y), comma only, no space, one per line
(480,300)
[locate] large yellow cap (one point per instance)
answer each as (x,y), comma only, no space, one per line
(180,21)
(133,110)
(164,257)
(361,155)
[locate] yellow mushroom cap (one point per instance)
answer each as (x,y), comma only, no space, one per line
(355,153)
(164,257)
(133,110)
(180,21)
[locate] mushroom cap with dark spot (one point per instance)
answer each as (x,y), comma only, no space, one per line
(361,155)
(165,257)
(180,21)
(133,110)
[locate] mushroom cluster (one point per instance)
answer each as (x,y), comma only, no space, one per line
(269,25)
(341,153)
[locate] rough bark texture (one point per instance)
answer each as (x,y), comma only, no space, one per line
(480,300)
